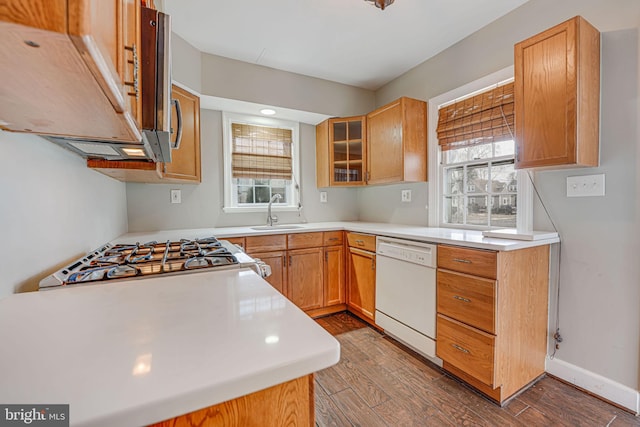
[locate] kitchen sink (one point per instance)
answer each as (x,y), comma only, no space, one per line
(277,227)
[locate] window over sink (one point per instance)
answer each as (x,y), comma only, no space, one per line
(261,159)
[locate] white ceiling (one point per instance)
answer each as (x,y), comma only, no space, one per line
(346,41)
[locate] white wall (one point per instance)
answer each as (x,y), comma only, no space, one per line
(53,210)
(149,207)
(600,273)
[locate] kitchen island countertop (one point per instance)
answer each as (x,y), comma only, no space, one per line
(136,352)
(452,236)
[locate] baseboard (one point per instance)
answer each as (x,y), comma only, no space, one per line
(594,383)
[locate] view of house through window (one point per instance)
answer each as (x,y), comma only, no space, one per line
(480,186)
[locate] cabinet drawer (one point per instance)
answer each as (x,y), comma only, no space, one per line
(469,299)
(277,242)
(471,261)
(466,348)
(366,242)
(238,241)
(304,240)
(332,238)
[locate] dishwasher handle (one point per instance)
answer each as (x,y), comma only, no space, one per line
(417,253)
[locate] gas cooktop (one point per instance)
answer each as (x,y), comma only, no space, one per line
(126,261)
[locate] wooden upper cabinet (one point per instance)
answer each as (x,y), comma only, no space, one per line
(557,96)
(185,159)
(341,152)
(397,142)
(69,68)
(185,163)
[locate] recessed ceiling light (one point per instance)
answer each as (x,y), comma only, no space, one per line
(268,111)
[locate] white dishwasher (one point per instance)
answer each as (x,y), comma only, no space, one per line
(406,292)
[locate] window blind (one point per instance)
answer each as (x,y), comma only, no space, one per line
(260,152)
(479,119)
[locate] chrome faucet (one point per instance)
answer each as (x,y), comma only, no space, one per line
(272,219)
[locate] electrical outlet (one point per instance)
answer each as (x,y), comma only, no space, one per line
(323,197)
(585,185)
(176,196)
(406,195)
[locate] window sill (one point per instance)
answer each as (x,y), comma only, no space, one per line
(258,209)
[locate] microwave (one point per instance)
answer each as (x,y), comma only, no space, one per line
(155,60)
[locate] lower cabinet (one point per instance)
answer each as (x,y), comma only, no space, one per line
(307,268)
(334,275)
(305,273)
(277,260)
(491,328)
(361,276)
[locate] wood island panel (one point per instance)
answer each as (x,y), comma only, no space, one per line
(287,404)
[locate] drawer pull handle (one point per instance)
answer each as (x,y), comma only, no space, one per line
(463,299)
(464,261)
(333,239)
(462,349)
(360,242)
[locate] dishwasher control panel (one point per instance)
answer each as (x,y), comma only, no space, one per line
(407,250)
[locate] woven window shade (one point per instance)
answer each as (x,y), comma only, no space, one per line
(480,119)
(260,152)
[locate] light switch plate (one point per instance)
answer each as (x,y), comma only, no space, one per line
(323,197)
(585,185)
(176,196)
(406,195)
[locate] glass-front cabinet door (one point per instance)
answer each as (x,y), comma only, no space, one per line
(347,150)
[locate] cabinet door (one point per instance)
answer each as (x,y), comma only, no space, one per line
(347,151)
(71,86)
(361,284)
(397,142)
(128,56)
(557,87)
(334,275)
(305,277)
(384,131)
(185,160)
(277,261)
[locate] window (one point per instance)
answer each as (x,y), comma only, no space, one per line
(479,184)
(261,159)
(472,174)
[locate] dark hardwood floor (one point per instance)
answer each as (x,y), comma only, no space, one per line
(379,382)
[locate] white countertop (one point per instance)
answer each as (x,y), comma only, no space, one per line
(469,238)
(141,351)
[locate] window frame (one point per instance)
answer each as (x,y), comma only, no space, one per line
(524,217)
(293,189)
